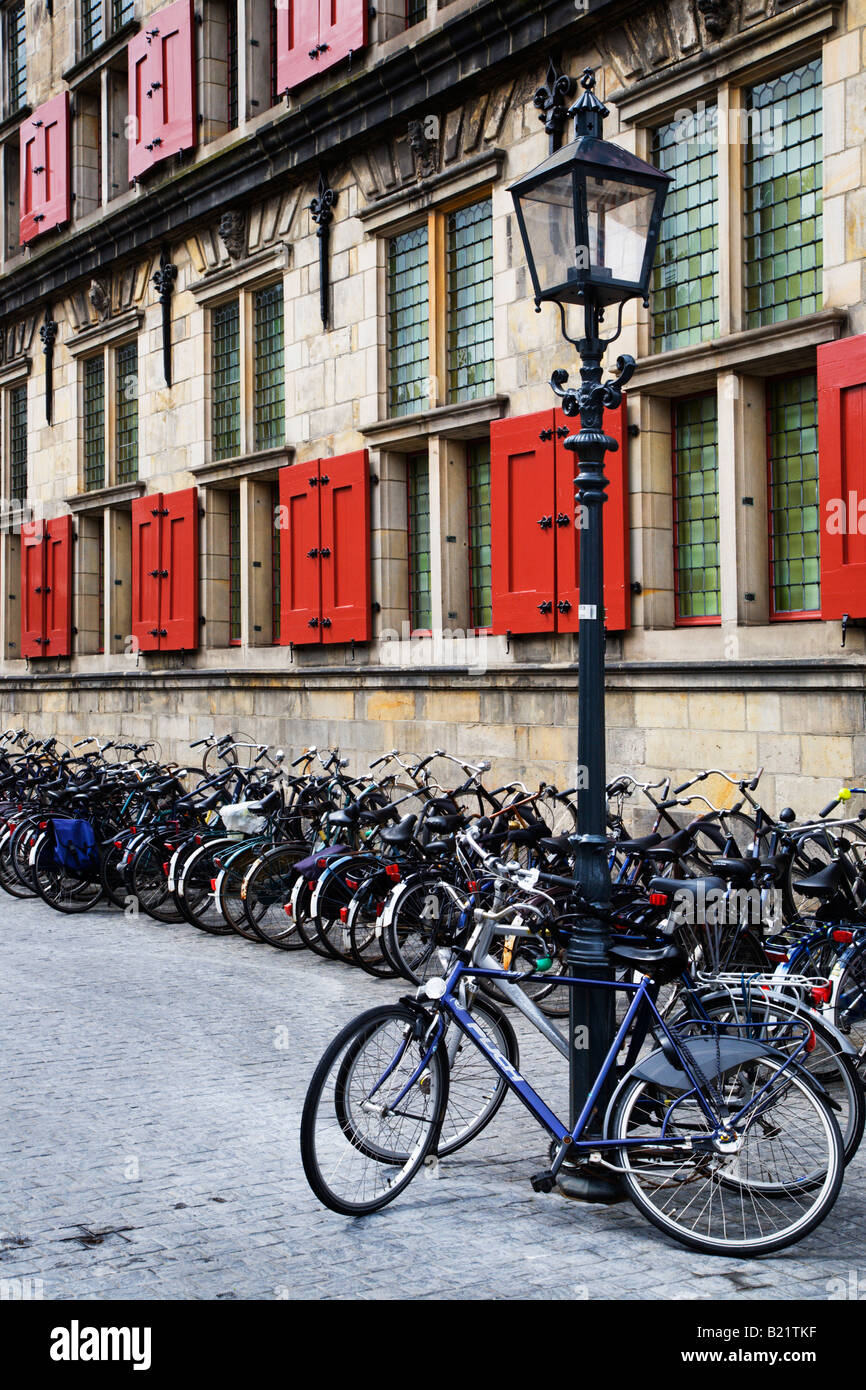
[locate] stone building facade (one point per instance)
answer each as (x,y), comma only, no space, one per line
(424,337)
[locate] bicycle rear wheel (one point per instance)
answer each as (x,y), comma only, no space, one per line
(372,1113)
(774,1185)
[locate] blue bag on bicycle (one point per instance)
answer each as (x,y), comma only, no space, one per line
(75,846)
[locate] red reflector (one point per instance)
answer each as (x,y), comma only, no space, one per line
(199,840)
(311,884)
(213,885)
(472,884)
(811,1041)
(393,871)
(12,825)
(843,936)
(379,908)
(351,883)
(287,908)
(659,899)
(165,868)
(821,994)
(321,863)
(344,914)
(118,844)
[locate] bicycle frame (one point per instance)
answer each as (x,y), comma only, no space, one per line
(450,1009)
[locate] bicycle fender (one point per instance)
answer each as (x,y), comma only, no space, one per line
(712,1058)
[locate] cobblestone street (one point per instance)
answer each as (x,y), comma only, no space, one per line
(153,1079)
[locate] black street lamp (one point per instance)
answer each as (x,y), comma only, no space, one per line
(590,217)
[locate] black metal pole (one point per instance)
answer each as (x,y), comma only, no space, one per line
(591,1010)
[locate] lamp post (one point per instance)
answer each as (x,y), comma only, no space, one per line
(589,218)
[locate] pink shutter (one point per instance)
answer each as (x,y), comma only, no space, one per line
(140,69)
(174,71)
(342,30)
(297,42)
(344,499)
(45,171)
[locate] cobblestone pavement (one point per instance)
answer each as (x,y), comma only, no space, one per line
(152,1082)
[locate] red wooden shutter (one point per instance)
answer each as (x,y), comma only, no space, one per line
(178,584)
(141,109)
(521,497)
(297,43)
(146,528)
(344,500)
(617,591)
(174,70)
(842,452)
(58,586)
(45,178)
(300,572)
(162,101)
(342,30)
(32,589)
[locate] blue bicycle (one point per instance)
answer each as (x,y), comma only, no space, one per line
(724,1143)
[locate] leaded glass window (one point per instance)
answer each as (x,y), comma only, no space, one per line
(226,376)
(91,25)
(685,287)
(792,431)
(478,480)
(234,567)
(122,11)
(416,10)
(126,412)
(420,602)
(696,509)
(18,443)
(408,322)
(269,392)
(469,271)
(94,423)
(16,55)
(783,197)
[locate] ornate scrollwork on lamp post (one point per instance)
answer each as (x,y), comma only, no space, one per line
(322,213)
(553,101)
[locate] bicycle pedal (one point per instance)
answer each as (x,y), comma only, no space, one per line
(543,1182)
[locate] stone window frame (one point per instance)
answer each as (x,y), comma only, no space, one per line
(99,109)
(738,361)
(9,111)
(220,287)
(13,374)
(103,339)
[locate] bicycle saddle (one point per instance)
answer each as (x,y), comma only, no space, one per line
(663,963)
(736,869)
(348,816)
(644,842)
(557,844)
(526,835)
(825,883)
(693,887)
(399,834)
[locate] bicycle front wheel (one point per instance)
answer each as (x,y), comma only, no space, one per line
(773,1185)
(373,1112)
